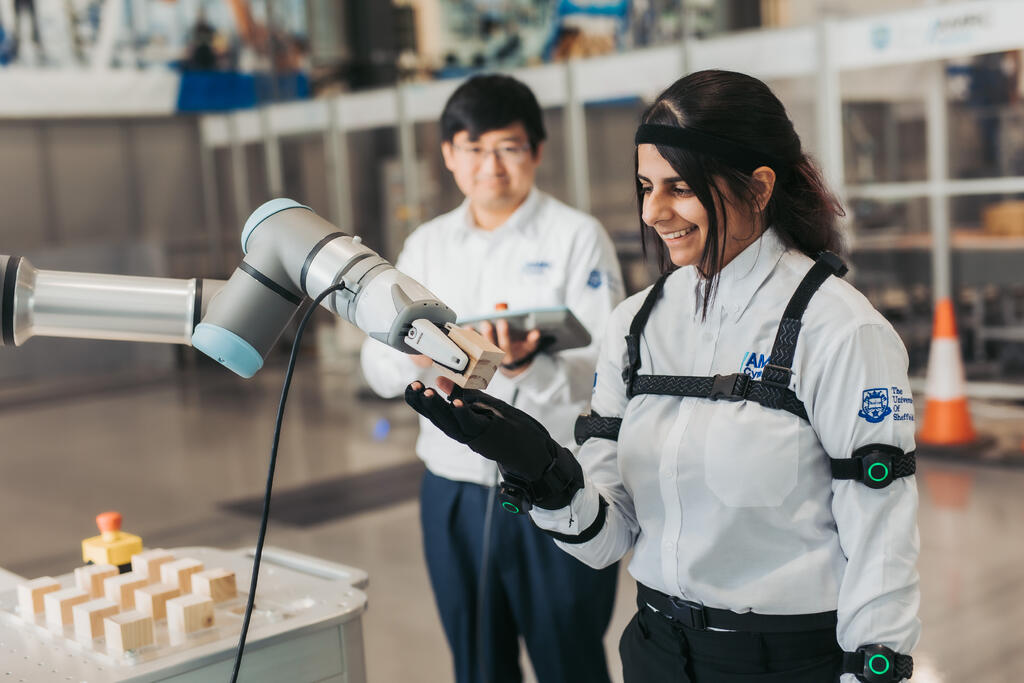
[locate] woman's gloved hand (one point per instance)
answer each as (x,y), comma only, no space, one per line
(491,427)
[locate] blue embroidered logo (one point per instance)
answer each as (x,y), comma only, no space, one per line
(881,36)
(594,281)
(536,267)
(875,405)
(753,364)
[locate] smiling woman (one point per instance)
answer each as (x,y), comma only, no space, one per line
(743,441)
(681,221)
(730,164)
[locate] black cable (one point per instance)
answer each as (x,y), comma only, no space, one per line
(270,475)
(481,589)
(481,584)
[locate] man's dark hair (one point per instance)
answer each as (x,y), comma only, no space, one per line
(485,103)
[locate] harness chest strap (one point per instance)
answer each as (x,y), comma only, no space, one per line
(771,391)
(875,464)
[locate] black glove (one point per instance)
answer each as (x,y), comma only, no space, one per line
(491,427)
(519,444)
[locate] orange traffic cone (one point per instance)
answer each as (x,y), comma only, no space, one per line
(947,422)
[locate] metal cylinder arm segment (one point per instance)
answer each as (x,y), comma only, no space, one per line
(49,303)
(290,254)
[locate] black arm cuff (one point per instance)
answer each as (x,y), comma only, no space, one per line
(593,530)
(875,465)
(556,486)
(878,664)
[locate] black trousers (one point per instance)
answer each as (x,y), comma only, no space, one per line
(657,650)
(533,589)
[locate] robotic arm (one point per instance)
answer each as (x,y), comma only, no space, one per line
(290,254)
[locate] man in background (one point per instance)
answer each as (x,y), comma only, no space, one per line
(495,576)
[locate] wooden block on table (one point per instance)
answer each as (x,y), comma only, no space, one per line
(89,616)
(58,605)
(189,613)
(148,563)
(90,578)
(179,573)
(121,588)
(152,599)
(30,595)
(484,358)
(216,584)
(128,631)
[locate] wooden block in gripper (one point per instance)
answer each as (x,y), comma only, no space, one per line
(216,584)
(179,573)
(121,588)
(484,358)
(128,631)
(30,595)
(189,613)
(58,605)
(89,617)
(152,599)
(90,578)
(148,563)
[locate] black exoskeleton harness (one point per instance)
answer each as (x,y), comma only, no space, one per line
(876,465)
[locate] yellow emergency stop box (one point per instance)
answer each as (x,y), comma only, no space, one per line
(112,546)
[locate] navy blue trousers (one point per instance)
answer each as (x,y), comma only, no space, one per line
(557,604)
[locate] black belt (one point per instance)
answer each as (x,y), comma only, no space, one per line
(697,616)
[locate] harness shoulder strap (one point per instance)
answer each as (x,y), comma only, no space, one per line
(780,369)
(636,328)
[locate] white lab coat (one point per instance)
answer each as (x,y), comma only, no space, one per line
(733,504)
(545,254)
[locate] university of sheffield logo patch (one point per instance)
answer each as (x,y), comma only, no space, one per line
(874,405)
(594,281)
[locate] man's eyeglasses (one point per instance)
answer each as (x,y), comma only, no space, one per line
(512,154)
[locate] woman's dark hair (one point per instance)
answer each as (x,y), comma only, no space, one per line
(743,110)
(490,102)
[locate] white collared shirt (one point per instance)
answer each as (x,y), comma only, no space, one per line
(732,504)
(545,254)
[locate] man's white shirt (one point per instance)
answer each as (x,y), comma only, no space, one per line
(545,254)
(731,504)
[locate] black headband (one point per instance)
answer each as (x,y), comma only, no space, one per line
(738,156)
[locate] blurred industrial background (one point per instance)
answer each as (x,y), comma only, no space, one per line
(136,136)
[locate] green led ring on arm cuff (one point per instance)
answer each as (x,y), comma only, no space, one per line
(885,474)
(871,664)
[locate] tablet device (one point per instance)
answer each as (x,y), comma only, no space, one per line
(559,328)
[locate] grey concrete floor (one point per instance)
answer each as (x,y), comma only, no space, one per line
(166,451)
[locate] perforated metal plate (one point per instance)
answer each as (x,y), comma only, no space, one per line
(305,627)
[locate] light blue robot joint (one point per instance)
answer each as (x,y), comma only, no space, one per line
(228,349)
(265,211)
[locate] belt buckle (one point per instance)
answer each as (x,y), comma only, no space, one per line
(694,610)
